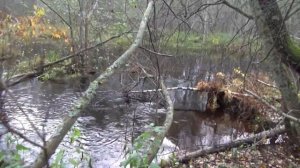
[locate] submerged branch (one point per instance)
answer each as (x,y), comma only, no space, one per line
(21,78)
(89,94)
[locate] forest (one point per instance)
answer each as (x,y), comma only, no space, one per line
(149,83)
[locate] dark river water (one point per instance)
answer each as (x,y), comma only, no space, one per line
(108,125)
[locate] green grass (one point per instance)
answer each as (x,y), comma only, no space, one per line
(192,43)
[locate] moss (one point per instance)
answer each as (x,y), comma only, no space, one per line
(123,42)
(294,48)
(53,74)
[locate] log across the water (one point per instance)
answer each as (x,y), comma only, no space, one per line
(207,96)
(184,98)
(212,97)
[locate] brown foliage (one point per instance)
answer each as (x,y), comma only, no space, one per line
(209,86)
(220,98)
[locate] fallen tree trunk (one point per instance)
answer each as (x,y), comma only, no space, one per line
(183,158)
(89,94)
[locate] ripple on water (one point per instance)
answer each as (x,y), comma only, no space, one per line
(106,128)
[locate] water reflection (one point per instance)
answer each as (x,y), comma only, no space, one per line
(109,123)
(196,130)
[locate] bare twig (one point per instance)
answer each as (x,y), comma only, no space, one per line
(26,76)
(170,8)
(25,114)
(9,129)
(56,13)
(292,13)
(238,10)
(156,53)
(272,107)
(267,84)
(85,49)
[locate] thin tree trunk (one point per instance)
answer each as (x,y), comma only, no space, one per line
(89,94)
(81,33)
(154,148)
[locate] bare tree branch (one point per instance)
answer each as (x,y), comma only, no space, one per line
(90,93)
(169,7)
(203,7)
(156,53)
(272,107)
(23,77)
(238,10)
(9,129)
(85,49)
(292,13)
(56,13)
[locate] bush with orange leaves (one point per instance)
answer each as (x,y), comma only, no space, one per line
(31,27)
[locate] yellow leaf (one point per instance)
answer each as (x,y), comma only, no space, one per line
(39,12)
(56,35)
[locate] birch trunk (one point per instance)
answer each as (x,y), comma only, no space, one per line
(166,126)
(89,94)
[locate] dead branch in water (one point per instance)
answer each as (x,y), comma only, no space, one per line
(183,158)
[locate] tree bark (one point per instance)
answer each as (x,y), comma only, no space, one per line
(89,94)
(275,22)
(277,45)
